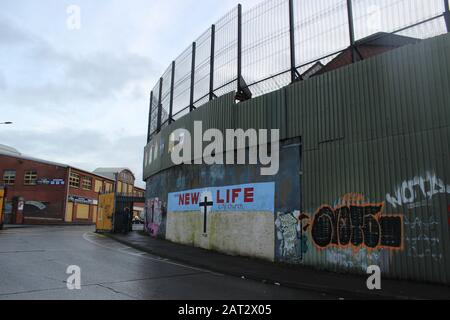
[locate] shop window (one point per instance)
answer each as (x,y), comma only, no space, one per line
(9,177)
(30,178)
(74,180)
(87,183)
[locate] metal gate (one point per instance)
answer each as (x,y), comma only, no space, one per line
(115,212)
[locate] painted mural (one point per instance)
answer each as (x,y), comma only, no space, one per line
(248,197)
(236,219)
(2,201)
(156,213)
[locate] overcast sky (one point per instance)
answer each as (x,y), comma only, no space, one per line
(80,96)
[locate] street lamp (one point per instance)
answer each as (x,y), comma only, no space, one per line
(9,122)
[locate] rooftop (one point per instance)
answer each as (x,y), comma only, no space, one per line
(110,172)
(12,152)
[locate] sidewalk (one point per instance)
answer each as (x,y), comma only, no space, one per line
(345,286)
(28,226)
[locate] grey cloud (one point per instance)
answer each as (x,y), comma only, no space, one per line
(73,84)
(78,78)
(10,34)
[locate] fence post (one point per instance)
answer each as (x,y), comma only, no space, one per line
(211,60)
(191,100)
(292,40)
(160,105)
(447,15)
(351,29)
(239,49)
(243,91)
(150,118)
(172,87)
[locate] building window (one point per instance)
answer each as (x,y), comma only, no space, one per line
(9,177)
(87,183)
(98,185)
(74,180)
(30,178)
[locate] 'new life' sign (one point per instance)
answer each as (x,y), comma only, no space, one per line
(247,197)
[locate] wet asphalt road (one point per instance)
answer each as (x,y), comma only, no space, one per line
(34,260)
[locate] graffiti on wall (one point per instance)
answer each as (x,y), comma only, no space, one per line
(353,229)
(2,197)
(361,260)
(291,235)
(356,225)
(423,238)
(156,213)
(416,192)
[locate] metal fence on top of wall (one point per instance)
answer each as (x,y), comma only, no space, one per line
(279,42)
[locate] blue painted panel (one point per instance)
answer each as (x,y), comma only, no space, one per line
(245,197)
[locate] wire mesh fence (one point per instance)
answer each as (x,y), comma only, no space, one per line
(282,41)
(226,54)
(266,47)
(202,68)
(182,82)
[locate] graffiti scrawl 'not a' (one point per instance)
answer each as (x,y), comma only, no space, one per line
(357,226)
(409,191)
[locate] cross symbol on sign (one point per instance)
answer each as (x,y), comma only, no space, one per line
(205,205)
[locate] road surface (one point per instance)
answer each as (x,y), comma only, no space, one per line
(34,261)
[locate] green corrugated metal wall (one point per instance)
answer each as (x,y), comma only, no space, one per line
(365,128)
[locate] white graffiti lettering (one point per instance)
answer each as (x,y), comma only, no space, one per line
(410,191)
(424,241)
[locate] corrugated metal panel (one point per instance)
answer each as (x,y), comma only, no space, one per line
(266,112)
(374,169)
(375,132)
(217,114)
(214,115)
(302,113)
(396,123)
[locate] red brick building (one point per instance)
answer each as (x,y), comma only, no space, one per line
(365,48)
(45,192)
